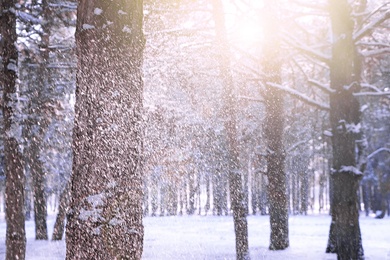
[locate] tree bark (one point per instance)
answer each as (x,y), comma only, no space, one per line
(105,216)
(59,225)
(15,178)
(229,109)
(273,131)
(344,236)
(36,128)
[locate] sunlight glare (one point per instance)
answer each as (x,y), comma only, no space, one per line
(244,24)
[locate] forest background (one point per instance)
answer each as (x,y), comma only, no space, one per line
(260,84)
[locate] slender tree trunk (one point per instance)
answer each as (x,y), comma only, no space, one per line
(192,191)
(60,219)
(218,193)
(207,206)
(255,191)
(15,178)
(273,131)
(105,216)
(36,128)
(344,236)
(304,190)
(235,182)
(146,196)
(263,199)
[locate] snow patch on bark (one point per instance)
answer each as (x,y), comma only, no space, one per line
(96,202)
(88,26)
(353,128)
(97,11)
(347,169)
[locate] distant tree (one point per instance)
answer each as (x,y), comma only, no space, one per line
(15,178)
(230,125)
(105,216)
(59,224)
(36,125)
(273,130)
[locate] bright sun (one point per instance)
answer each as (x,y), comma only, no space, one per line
(244,24)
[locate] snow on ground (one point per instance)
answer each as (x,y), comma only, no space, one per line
(211,237)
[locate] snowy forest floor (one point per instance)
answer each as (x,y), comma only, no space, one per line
(211,237)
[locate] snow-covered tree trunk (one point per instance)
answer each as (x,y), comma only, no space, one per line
(229,110)
(273,131)
(15,178)
(105,216)
(344,236)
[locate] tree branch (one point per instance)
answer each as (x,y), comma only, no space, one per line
(321,86)
(299,96)
(383,149)
(369,27)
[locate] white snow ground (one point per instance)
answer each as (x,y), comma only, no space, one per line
(211,237)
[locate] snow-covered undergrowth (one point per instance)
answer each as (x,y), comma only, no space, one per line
(211,237)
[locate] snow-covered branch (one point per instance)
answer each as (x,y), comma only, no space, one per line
(369,27)
(65,5)
(28,18)
(383,149)
(299,96)
(369,86)
(294,146)
(321,86)
(365,94)
(375,52)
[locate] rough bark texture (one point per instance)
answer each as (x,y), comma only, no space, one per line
(105,216)
(235,181)
(14,190)
(273,132)
(344,236)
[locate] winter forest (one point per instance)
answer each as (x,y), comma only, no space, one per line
(195,129)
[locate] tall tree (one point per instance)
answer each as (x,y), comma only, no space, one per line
(273,130)
(105,217)
(36,126)
(229,109)
(344,236)
(15,234)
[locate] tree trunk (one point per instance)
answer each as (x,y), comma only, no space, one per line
(229,109)
(192,191)
(36,127)
(105,216)
(207,205)
(304,190)
(218,192)
(273,132)
(60,219)
(344,236)
(15,178)
(39,196)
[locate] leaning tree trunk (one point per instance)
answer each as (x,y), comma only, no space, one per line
(235,181)
(59,224)
(15,179)
(344,236)
(273,132)
(105,216)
